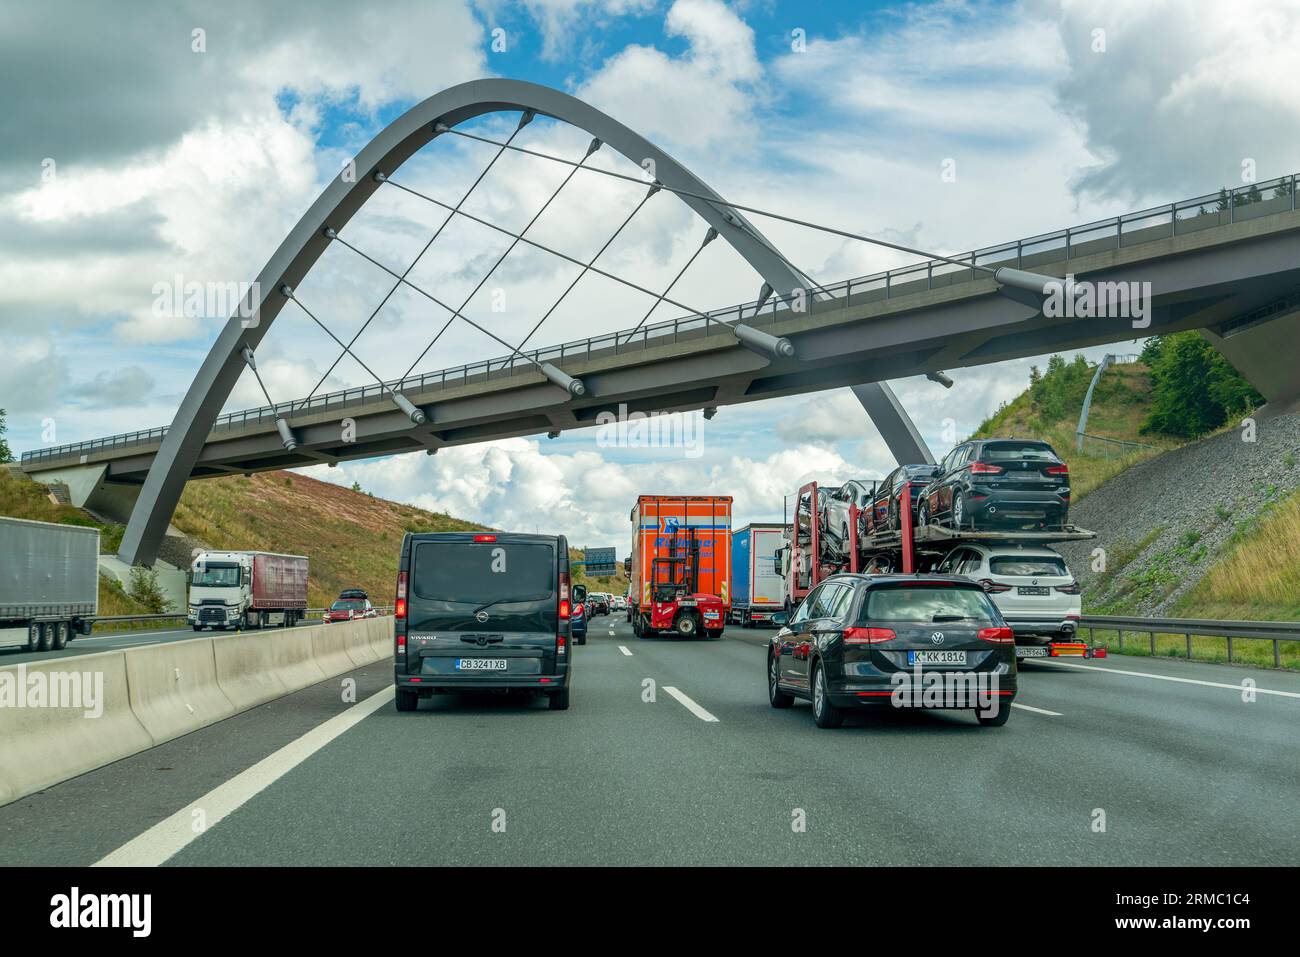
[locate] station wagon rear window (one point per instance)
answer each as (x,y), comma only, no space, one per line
(1000,451)
(482,572)
(928,603)
(1015,565)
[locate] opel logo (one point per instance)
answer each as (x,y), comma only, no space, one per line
(480,616)
(937,637)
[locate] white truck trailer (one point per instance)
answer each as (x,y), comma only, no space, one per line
(49,583)
(244,590)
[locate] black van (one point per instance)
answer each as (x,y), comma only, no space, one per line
(482,611)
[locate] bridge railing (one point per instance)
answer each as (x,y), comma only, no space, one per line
(1119,232)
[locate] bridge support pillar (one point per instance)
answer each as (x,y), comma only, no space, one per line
(90,488)
(896,427)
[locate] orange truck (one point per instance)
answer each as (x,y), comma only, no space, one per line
(681,565)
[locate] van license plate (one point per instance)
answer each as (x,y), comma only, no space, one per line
(936,657)
(480,664)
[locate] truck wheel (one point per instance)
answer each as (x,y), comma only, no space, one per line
(43,637)
(407,700)
(198,627)
(713,634)
(33,636)
(686,626)
(59,637)
(558,700)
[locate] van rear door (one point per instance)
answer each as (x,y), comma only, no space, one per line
(483,606)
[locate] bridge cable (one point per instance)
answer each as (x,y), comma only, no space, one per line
(654,188)
(717,201)
(591,148)
(406,405)
(748,336)
(709,237)
(524,120)
(287,438)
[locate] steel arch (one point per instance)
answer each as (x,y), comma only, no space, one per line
(335,207)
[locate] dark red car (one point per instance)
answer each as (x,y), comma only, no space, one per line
(347,609)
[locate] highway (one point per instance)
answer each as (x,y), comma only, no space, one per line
(1185,771)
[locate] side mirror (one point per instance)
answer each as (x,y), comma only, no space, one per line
(780,619)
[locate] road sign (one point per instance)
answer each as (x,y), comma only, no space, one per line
(600,562)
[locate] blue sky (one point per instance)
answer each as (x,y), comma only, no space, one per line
(176,162)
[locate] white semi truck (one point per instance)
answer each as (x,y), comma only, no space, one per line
(49,583)
(244,590)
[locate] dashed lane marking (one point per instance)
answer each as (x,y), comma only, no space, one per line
(686,702)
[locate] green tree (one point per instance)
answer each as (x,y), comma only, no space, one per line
(144,589)
(5,454)
(1194,389)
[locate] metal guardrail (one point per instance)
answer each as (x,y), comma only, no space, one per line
(1148,225)
(1274,631)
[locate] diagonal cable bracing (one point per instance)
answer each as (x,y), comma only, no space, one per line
(585,269)
(714,200)
(594,145)
(524,120)
(709,237)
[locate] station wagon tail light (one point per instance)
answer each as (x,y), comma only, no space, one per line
(984,468)
(1002,636)
(399,603)
(1070,589)
(1061,469)
(485,538)
(992,587)
(868,636)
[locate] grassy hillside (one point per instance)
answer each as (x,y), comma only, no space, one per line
(351,538)
(1120,403)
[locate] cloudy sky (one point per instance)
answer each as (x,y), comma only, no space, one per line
(166,143)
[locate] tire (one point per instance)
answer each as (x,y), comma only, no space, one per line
(558,700)
(775,696)
(997,719)
(407,700)
(59,639)
(198,627)
(581,640)
(824,713)
(923,516)
(34,630)
(43,637)
(713,634)
(958,511)
(686,626)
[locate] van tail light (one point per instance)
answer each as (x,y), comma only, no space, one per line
(564,596)
(401,646)
(1070,589)
(399,603)
(485,538)
(984,468)
(868,636)
(1001,636)
(561,646)
(992,587)
(1061,469)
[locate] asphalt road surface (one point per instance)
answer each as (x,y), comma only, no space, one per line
(703,771)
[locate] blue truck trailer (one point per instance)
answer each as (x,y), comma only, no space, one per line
(757,585)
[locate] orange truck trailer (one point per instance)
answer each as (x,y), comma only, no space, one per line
(681,565)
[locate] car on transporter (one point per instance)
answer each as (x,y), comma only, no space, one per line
(908,641)
(989,484)
(482,612)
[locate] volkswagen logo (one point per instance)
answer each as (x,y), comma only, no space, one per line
(1033,581)
(937,637)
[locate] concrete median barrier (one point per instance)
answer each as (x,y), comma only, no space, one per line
(63,717)
(173,687)
(122,702)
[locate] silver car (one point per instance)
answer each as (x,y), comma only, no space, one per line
(1031,585)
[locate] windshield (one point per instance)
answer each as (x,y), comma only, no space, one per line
(216,576)
(1044,565)
(928,603)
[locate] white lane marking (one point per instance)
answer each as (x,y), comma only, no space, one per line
(689,705)
(168,837)
(624,649)
(1185,681)
(1025,707)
